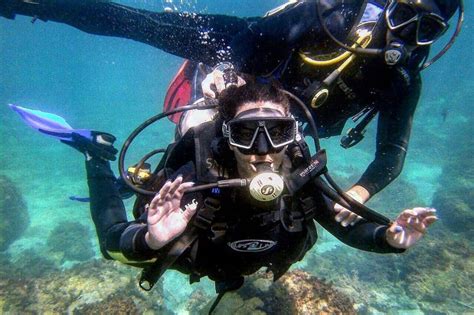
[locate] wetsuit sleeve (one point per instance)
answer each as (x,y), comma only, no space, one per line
(364,235)
(393,134)
(254,45)
(119,239)
(201,38)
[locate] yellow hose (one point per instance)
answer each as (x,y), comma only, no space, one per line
(363,41)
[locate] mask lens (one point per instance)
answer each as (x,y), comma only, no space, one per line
(430,29)
(243,132)
(281,131)
(401,15)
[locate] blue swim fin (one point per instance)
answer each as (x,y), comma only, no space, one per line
(49,124)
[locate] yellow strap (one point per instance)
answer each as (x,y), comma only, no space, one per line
(118,256)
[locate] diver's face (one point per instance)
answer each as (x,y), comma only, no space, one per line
(248,160)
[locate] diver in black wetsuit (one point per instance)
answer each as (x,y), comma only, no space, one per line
(285,45)
(226,233)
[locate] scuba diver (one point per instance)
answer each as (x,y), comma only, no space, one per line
(345,59)
(232,195)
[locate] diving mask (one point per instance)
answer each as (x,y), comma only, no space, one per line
(416,24)
(247,128)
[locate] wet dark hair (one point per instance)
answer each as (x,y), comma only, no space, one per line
(234,97)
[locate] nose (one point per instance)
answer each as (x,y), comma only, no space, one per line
(263,146)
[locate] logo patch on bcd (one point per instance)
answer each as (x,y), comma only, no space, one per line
(252,245)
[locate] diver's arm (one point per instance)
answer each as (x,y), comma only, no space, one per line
(362,234)
(393,134)
(191,36)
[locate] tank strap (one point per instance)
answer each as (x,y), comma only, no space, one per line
(202,221)
(150,275)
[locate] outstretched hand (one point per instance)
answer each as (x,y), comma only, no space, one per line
(166,220)
(410,226)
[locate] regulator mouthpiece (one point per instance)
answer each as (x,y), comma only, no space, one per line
(267,185)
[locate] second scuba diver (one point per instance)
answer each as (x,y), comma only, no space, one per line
(377,72)
(262,213)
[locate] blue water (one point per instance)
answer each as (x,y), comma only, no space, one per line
(113,84)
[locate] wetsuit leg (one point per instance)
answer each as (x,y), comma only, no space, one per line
(107,209)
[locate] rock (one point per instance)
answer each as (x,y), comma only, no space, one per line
(70,241)
(14,218)
(455,209)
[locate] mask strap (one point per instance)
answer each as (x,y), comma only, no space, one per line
(451,41)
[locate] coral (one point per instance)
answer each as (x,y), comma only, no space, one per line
(369,278)
(437,274)
(444,283)
(114,304)
(233,303)
(14,218)
(455,196)
(297,292)
(70,241)
(93,287)
(197,302)
(33,265)
(308,295)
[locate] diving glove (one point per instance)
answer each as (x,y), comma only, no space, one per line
(98,145)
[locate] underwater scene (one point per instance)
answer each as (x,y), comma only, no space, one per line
(50,259)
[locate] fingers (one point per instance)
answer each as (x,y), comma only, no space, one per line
(417,219)
(215,83)
(164,196)
(430,220)
(207,85)
(410,226)
(395,228)
(181,190)
(342,215)
(173,187)
(219,81)
(240,81)
(172,191)
(338,208)
(190,210)
(400,237)
(346,217)
(353,219)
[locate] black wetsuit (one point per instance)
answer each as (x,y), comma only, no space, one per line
(268,46)
(212,253)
